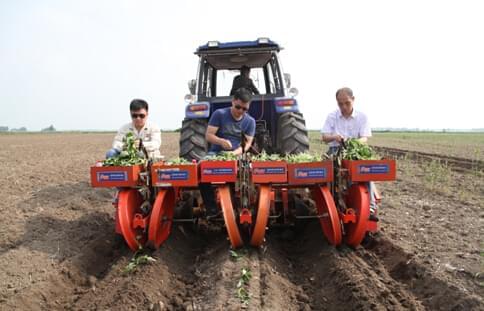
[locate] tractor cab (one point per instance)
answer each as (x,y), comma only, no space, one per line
(220,63)
(274,106)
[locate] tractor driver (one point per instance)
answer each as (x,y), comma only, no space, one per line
(142,129)
(346,122)
(224,133)
(243,81)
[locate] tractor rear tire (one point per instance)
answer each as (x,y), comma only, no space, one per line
(292,135)
(193,145)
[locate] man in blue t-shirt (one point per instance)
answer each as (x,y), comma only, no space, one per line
(224,133)
(226,125)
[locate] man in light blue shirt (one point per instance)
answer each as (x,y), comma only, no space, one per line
(345,123)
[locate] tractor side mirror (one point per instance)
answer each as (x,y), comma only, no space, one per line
(189,98)
(293,92)
(191,86)
(287,79)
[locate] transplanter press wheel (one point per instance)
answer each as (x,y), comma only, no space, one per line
(330,222)
(229,216)
(263,211)
(161,218)
(358,200)
(129,202)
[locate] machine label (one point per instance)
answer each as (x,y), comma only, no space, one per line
(173,174)
(269,171)
(374,169)
(112,176)
(218,171)
(302,173)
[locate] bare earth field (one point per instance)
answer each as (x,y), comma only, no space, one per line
(462,145)
(58,249)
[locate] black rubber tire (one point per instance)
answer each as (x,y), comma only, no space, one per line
(292,135)
(193,145)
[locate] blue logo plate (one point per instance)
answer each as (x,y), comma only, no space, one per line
(112,176)
(306,173)
(374,169)
(269,170)
(170,175)
(218,171)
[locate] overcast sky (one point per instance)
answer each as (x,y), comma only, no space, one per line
(77,64)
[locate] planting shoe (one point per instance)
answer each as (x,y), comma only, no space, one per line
(373,209)
(115,199)
(212,213)
(373,217)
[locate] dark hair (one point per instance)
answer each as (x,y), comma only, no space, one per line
(137,104)
(243,94)
(244,69)
(346,90)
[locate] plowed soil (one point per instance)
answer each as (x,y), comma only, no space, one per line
(58,249)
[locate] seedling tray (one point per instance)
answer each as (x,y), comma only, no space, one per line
(218,171)
(310,173)
(266,172)
(178,175)
(370,170)
(115,176)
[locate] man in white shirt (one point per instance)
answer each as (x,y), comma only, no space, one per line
(345,123)
(145,131)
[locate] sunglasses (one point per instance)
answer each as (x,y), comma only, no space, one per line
(239,107)
(138,115)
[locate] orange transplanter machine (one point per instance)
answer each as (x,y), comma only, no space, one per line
(252,197)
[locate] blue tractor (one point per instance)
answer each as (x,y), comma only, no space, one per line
(280,127)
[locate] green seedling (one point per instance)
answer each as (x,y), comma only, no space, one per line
(356,150)
(222,156)
(178,161)
(263,156)
(246,275)
(234,255)
(136,261)
(243,295)
(437,174)
(303,158)
(242,292)
(129,155)
(237,255)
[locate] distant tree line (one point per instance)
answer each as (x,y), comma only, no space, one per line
(6,129)
(24,129)
(48,129)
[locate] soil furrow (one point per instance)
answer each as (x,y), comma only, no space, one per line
(433,292)
(337,279)
(461,164)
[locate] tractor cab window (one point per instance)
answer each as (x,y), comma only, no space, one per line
(217,73)
(271,84)
(226,77)
(206,77)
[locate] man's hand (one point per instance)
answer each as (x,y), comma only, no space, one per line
(226,144)
(212,138)
(327,138)
(338,138)
(237,151)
